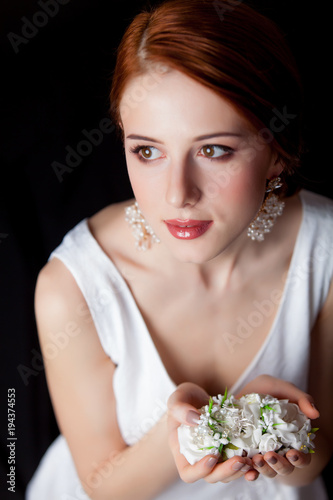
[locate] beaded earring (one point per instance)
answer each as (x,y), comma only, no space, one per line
(142,232)
(271,208)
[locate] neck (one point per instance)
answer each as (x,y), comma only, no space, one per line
(225,271)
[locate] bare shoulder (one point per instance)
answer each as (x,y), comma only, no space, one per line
(57,292)
(64,320)
(54,283)
(110,218)
(109,228)
(111,231)
(62,313)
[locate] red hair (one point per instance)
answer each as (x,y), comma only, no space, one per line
(228,47)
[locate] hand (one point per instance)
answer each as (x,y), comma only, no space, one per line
(281,389)
(183,404)
(273,464)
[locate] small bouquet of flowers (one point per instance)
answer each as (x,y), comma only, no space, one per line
(253,424)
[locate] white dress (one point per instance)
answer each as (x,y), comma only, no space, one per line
(126,339)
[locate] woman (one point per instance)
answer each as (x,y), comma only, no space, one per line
(231,287)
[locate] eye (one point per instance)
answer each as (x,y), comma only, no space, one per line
(147,153)
(214,151)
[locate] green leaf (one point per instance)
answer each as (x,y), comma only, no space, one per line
(210,405)
(231,446)
(267,407)
(314,429)
(224,397)
(310,450)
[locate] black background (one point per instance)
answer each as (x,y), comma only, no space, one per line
(54,87)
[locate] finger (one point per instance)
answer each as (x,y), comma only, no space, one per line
(200,470)
(298,459)
(183,404)
(231,469)
(278,463)
(281,389)
(263,467)
(307,406)
(251,475)
(188,393)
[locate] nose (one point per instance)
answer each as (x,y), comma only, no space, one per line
(182,188)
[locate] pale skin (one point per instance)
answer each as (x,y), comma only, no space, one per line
(187,136)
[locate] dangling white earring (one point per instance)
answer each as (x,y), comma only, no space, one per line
(142,232)
(269,211)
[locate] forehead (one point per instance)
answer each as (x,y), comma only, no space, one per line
(159,101)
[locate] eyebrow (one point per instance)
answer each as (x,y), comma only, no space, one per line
(143,138)
(199,138)
(218,134)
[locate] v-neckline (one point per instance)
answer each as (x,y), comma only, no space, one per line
(134,307)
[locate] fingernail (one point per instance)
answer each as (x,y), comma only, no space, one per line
(237,466)
(293,458)
(211,462)
(314,407)
(272,460)
(245,468)
(259,463)
(192,417)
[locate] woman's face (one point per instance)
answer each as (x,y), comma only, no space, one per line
(197,168)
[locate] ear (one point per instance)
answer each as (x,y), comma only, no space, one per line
(276,168)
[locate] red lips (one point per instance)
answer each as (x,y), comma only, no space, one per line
(187,229)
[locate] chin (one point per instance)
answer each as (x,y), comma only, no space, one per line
(195,256)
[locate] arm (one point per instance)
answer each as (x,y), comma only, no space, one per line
(80,376)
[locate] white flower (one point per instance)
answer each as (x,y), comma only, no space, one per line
(269,442)
(253,424)
(252,398)
(194,448)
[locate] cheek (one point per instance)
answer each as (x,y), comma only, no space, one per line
(237,184)
(145,188)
